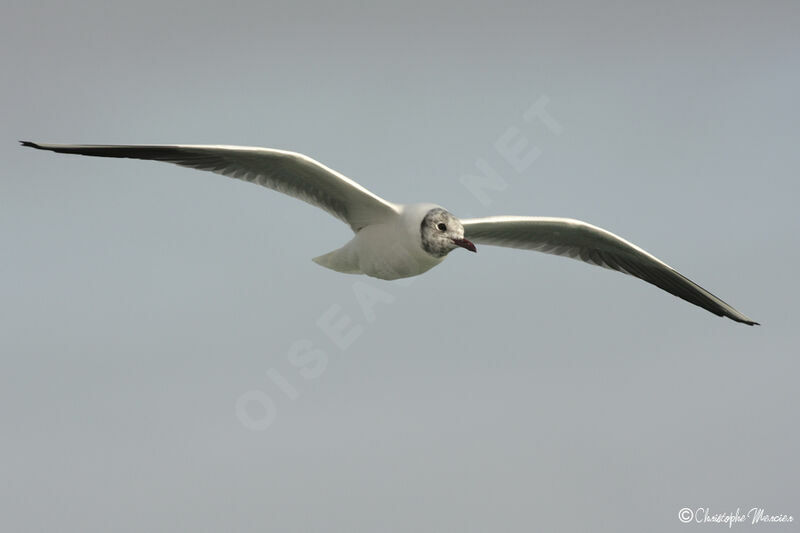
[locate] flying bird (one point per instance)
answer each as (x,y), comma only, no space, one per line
(395,241)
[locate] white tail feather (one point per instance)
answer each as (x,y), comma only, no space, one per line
(341,260)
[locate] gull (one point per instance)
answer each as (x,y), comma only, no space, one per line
(394,241)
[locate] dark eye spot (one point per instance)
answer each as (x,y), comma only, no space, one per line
(441,227)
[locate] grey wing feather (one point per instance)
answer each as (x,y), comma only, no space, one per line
(579,240)
(287,172)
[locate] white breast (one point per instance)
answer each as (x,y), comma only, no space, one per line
(394,250)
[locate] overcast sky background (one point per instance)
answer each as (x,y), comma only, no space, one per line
(503,391)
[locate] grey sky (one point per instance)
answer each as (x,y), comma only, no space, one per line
(506,390)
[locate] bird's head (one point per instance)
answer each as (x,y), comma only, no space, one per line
(442,232)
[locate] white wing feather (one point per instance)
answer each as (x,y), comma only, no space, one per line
(579,240)
(287,172)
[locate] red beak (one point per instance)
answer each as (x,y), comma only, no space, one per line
(464,243)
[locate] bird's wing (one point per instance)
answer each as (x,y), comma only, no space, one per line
(287,172)
(579,240)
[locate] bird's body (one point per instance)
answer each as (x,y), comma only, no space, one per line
(391,249)
(395,241)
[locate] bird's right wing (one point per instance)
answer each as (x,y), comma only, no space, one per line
(579,240)
(287,172)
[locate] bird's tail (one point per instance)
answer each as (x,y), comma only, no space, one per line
(341,260)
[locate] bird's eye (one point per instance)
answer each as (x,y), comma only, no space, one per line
(441,227)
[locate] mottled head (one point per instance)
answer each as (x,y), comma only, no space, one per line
(441,233)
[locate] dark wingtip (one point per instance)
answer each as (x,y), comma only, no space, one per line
(29,143)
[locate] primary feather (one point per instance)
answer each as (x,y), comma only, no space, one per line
(579,240)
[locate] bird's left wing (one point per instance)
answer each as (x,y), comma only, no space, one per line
(579,240)
(287,172)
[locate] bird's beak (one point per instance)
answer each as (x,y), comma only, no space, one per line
(464,243)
